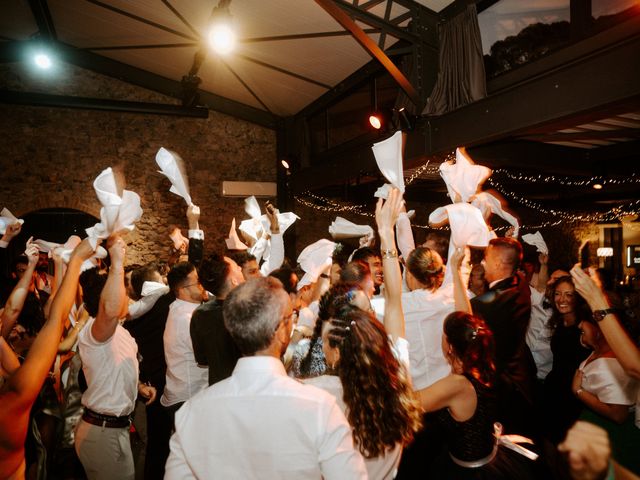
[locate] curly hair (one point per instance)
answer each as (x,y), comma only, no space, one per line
(337,296)
(581,308)
(382,408)
(472,343)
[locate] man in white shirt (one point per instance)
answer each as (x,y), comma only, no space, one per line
(184,377)
(259,423)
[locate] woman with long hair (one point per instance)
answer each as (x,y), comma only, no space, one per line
(308,358)
(609,394)
(368,364)
(560,407)
(464,403)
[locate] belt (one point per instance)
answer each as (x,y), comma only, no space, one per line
(108,421)
(508,441)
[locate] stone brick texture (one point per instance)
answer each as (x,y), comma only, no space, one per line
(49,157)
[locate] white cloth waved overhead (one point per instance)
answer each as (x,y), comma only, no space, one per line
(7,218)
(258,227)
(464,177)
(118,213)
(65,250)
(314,259)
(342,228)
(468,227)
(172,167)
(234,242)
(388,155)
(537,241)
(489,204)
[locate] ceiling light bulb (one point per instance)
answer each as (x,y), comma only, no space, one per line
(597,186)
(42,60)
(285,164)
(222,38)
(375,122)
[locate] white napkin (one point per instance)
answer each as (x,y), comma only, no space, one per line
(65,250)
(118,214)
(234,242)
(7,218)
(342,228)
(467,224)
(388,155)
(537,241)
(463,178)
(252,226)
(314,259)
(489,204)
(172,167)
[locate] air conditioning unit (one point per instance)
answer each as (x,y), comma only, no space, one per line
(246,189)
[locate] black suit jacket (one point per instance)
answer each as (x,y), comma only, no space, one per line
(506,308)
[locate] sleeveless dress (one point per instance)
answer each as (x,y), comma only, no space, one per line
(473,441)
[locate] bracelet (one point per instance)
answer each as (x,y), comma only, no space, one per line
(390,253)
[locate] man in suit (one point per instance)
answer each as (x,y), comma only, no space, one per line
(506,307)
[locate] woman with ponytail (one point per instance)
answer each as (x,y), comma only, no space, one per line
(465,407)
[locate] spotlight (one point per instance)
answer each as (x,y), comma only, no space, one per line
(42,60)
(285,164)
(376,120)
(222,39)
(597,186)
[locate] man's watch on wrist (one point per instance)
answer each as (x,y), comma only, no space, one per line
(598,315)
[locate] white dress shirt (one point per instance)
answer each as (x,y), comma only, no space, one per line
(539,334)
(184,377)
(111,370)
(258,424)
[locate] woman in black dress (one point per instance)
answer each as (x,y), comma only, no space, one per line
(465,405)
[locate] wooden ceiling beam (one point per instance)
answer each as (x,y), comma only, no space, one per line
(43,18)
(370,46)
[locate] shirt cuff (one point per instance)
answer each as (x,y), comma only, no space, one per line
(4,244)
(196,234)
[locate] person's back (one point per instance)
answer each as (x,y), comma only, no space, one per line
(259,423)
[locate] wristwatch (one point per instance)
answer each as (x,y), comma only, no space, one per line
(598,315)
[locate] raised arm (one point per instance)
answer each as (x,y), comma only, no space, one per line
(58,273)
(16,300)
(386,215)
(26,382)
(113,299)
(276,255)
(406,242)
(10,233)
(624,347)
(196,236)
(460,296)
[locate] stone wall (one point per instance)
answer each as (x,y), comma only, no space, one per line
(49,157)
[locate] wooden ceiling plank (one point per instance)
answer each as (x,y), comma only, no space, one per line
(43,18)
(180,17)
(282,70)
(138,18)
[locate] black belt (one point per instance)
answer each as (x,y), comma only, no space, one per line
(108,421)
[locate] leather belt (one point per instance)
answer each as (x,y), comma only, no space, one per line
(108,421)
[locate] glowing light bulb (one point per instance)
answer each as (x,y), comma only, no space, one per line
(222,38)
(597,186)
(42,60)
(285,164)
(375,122)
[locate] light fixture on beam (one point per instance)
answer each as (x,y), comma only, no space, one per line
(605,252)
(222,37)
(597,186)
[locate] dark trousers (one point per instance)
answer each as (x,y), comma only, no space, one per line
(159,428)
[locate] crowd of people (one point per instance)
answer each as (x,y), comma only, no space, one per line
(400,361)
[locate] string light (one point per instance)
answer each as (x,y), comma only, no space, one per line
(325,204)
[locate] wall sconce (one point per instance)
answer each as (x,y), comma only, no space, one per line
(605,252)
